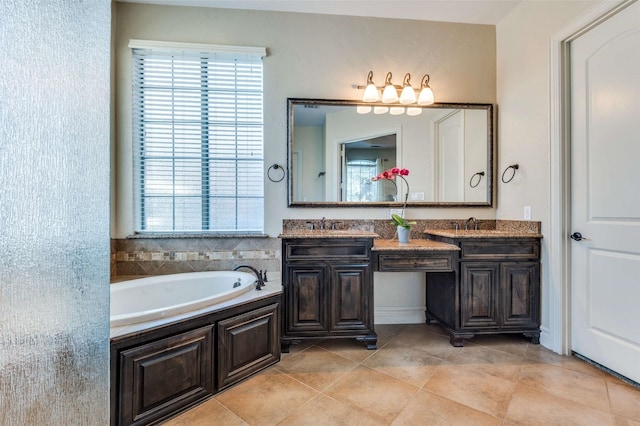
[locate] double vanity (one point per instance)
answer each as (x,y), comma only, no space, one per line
(483,281)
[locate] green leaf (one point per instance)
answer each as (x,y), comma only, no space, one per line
(398,220)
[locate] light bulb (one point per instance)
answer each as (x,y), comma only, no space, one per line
(371,93)
(380,110)
(426,96)
(396,110)
(363,109)
(408,95)
(414,111)
(390,94)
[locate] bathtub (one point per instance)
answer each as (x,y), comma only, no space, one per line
(162,296)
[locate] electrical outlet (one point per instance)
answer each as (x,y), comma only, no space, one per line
(527,212)
(395,211)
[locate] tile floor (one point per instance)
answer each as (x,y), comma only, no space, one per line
(417,378)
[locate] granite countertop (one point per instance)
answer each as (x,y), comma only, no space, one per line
(327,233)
(481,233)
(412,245)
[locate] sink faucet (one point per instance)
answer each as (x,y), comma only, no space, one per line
(322,224)
(456,226)
(259,281)
(469,221)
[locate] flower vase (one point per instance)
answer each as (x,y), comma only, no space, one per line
(403,234)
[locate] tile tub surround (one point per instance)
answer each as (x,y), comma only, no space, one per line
(161,256)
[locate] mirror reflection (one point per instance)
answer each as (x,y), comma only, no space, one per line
(362,159)
(336,147)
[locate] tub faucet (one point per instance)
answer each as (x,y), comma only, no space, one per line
(259,281)
(469,221)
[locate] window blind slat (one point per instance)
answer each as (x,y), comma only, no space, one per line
(198,142)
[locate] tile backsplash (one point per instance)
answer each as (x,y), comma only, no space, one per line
(161,256)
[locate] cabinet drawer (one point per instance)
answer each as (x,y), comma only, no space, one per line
(353,249)
(415,262)
(500,249)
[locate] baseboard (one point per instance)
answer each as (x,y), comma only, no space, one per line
(546,339)
(399,315)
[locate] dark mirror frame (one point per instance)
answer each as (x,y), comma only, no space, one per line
(291,102)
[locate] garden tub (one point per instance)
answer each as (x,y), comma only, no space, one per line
(163,296)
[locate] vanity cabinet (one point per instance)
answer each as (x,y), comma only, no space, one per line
(496,289)
(328,289)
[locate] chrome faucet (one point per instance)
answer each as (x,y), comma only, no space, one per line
(469,221)
(322,224)
(259,281)
(456,226)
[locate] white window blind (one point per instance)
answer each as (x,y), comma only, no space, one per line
(198,141)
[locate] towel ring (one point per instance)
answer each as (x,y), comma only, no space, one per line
(275,167)
(514,167)
(479,174)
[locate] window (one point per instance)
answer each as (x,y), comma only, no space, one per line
(198,139)
(358,184)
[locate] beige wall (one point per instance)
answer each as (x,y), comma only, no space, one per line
(310,56)
(523,46)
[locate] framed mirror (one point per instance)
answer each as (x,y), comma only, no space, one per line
(336,147)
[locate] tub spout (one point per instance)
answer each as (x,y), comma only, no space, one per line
(259,281)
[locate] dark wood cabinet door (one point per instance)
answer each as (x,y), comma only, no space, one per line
(479,294)
(520,289)
(306,299)
(247,343)
(162,377)
(350,298)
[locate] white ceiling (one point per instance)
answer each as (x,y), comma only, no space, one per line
(465,11)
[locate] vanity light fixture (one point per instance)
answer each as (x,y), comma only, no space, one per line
(390,93)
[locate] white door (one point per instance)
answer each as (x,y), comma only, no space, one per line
(450,155)
(605,193)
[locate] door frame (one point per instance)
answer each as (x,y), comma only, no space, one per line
(560,156)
